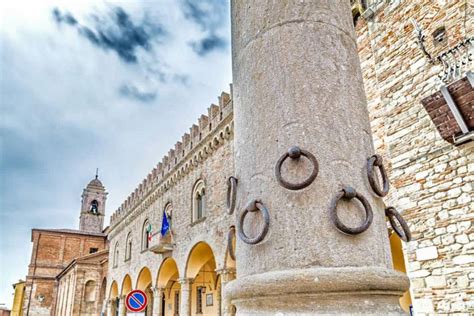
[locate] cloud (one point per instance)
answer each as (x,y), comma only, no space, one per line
(208,44)
(134,92)
(116,32)
(210,16)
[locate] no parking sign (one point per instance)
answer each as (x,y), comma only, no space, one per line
(136,301)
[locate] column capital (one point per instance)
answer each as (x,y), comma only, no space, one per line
(157,290)
(227,274)
(184,281)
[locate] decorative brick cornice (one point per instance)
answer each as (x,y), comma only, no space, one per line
(194,148)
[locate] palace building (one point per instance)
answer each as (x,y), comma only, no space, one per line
(174,236)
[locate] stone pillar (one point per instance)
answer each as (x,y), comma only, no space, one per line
(104,308)
(122,308)
(297,82)
(226,308)
(157,301)
(186,292)
(109,307)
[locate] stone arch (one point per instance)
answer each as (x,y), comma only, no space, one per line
(145,283)
(113,292)
(167,281)
(168,272)
(201,270)
(126,285)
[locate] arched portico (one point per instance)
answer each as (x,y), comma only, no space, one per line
(167,289)
(201,296)
(145,283)
(113,302)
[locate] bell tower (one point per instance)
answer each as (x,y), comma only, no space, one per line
(93,207)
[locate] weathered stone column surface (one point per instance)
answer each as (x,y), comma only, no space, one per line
(297,82)
(226,308)
(185,303)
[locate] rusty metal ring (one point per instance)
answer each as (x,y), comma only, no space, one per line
(295,153)
(230,238)
(254,206)
(377,161)
(231,194)
(348,193)
(393,215)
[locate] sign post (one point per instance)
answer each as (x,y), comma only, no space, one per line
(136,302)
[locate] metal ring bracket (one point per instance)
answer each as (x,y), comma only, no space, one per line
(393,217)
(231,194)
(348,193)
(230,238)
(377,161)
(295,153)
(253,207)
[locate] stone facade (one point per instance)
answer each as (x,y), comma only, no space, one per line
(431,178)
(81,286)
(205,154)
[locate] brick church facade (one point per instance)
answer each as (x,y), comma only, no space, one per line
(49,283)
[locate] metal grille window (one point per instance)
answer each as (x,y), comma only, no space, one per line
(199,292)
(176,303)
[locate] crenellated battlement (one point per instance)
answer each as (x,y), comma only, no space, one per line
(206,135)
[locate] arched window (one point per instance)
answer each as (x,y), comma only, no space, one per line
(116,254)
(89,291)
(94,209)
(199,201)
(146,235)
(128,247)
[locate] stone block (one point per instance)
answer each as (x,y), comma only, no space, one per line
(438,281)
(427,253)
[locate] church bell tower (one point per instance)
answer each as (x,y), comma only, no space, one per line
(93,207)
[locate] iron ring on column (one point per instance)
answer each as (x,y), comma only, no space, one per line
(231,194)
(254,206)
(295,153)
(230,238)
(377,161)
(394,217)
(348,193)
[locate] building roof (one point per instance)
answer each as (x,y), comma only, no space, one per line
(100,257)
(70,231)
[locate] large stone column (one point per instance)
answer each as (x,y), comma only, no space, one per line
(157,301)
(186,290)
(226,308)
(297,82)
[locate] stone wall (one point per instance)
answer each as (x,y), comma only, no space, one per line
(204,154)
(431,178)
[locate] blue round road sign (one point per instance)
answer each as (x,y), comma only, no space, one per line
(136,301)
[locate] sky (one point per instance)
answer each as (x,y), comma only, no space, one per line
(91,84)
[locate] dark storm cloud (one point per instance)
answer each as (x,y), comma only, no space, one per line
(210,16)
(116,32)
(208,44)
(133,92)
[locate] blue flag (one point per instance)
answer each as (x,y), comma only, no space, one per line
(165,225)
